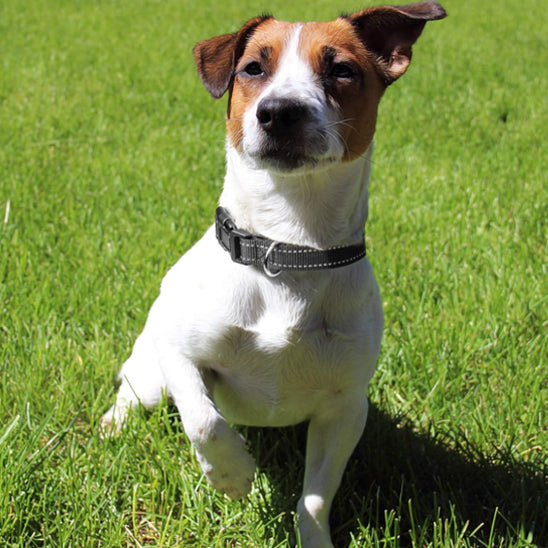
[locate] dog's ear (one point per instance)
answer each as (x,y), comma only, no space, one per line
(217,57)
(390,31)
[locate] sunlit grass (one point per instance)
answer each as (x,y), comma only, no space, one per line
(111,162)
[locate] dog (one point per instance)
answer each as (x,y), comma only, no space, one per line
(274,317)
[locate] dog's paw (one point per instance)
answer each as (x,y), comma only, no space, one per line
(313,539)
(112,422)
(231,478)
(227,466)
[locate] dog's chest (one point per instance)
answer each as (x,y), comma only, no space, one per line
(272,351)
(279,368)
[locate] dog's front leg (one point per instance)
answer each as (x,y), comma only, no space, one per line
(220,451)
(331,440)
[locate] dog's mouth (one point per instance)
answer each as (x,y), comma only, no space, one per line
(292,153)
(285,158)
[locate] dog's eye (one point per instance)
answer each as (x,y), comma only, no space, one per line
(253,69)
(342,71)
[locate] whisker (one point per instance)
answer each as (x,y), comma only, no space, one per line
(343,122)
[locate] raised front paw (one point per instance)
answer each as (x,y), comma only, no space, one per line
(228,467)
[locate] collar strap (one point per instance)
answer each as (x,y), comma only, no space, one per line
(248,249)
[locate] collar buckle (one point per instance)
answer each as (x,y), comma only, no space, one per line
(229,235)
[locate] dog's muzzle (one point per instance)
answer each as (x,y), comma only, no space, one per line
(289,135)
(278,116)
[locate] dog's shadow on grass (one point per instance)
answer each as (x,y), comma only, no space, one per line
(396,472)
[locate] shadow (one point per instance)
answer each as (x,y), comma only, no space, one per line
(396,471)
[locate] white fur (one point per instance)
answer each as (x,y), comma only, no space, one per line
(231,345)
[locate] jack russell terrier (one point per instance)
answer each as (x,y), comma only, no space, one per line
(274,317)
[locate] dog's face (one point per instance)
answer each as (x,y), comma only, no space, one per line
(304,96)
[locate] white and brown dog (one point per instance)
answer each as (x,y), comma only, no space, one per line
(274,316)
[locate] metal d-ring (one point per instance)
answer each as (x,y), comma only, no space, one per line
(267,271)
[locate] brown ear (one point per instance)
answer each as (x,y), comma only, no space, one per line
(217,57)
(390,31)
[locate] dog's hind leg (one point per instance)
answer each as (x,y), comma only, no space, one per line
(142,383)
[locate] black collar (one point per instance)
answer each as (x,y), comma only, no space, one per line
(249,249)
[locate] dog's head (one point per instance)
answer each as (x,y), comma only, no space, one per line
(303,96)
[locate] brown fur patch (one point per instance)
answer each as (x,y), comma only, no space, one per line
(356,99)
(322,45)
(265,46)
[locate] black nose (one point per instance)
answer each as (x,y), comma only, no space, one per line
(276,115)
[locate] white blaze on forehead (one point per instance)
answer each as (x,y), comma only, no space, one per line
(294,76)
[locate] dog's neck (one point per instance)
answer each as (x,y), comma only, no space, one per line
(322,208)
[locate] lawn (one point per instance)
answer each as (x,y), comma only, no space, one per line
(111,163)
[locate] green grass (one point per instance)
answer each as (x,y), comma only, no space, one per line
(111,162)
